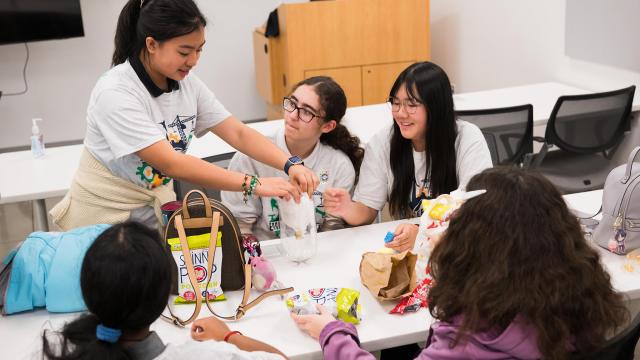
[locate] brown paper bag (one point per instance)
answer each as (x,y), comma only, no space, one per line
(388,277)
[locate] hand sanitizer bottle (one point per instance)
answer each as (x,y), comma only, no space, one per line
(37,140)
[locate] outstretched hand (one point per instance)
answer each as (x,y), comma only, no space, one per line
(210,328)
(304,179)
(404,237)
(313,324)
(277,187)
(336,201)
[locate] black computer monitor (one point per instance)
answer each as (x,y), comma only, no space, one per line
(35,20)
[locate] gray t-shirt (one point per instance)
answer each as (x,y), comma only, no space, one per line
(376,178)
(124,117)
(333,168)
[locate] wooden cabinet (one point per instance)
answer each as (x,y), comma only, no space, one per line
(349,78)
(377,81)
(362,44)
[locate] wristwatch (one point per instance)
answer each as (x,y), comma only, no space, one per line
(294,160)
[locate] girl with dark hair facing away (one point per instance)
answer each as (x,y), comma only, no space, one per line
(424,154)
(142,116)
(312,129)
(514,278)
(126,278)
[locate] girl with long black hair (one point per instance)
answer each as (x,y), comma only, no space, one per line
(427,152)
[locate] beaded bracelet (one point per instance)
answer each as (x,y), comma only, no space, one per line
(248,190)
(252,186)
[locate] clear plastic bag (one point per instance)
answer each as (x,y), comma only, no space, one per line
(298,229)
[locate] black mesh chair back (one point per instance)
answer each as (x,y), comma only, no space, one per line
(620,347)
(590,123)
(508,131)
(585,131)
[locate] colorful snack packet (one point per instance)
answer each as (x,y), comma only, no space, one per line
(199,249)
(417,299)
(342,302)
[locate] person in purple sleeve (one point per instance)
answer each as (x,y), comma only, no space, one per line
(514,278)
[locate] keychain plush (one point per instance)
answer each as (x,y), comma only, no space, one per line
(263,273)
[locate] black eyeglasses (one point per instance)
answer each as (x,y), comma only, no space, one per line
(410,106)
(303,114)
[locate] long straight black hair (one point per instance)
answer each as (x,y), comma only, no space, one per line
(334,104)
(126,277)
(159,19)
(427,83)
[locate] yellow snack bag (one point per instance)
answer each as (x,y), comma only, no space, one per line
(199,250)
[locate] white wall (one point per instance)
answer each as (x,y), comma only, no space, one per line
(481,44)
(497,43)
(61,73)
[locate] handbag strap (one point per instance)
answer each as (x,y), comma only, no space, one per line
(245,306)
(627,172)
(184,244)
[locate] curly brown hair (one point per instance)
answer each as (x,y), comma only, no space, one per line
(518,250)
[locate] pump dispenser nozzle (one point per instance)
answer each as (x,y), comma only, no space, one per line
(35,130)
(37,140)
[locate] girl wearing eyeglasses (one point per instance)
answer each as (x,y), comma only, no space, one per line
(312,131)
(142,115)
(425,153)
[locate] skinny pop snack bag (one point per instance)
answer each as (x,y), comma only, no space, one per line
(198,246)
(342,302)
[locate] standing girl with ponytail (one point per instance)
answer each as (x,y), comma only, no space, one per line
(142,115)
(312,131)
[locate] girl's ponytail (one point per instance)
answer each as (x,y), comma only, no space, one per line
(78,340)
(159,19)
(341,139)
(125,39)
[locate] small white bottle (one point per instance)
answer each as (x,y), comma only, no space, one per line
(37,140)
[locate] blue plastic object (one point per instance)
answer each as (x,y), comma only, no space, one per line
(389,237)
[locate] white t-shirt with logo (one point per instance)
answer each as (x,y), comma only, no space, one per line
(376,178)
(123,118)
(332,166)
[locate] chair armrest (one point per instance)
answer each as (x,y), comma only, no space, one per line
(534,160)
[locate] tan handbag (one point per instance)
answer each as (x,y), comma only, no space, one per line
(207,216)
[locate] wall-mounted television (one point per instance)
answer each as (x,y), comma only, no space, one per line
(35,20)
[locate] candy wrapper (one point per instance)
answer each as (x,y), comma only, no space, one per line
(199,250)
(417,299)
(341,302)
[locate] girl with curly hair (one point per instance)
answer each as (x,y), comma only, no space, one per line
(514,278)
(312,131)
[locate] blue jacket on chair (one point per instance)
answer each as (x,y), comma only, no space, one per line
(46,271)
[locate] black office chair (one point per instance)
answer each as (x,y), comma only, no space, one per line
(619,347)
(586,129)
(508,132)
(181,188)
